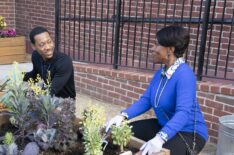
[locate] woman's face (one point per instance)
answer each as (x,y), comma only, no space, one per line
(159,54)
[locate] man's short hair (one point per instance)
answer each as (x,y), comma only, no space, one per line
(35,31)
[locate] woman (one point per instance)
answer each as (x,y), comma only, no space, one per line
(179,126)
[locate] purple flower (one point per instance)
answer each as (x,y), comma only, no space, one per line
(7,33)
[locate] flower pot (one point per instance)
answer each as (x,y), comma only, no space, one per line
(12,49)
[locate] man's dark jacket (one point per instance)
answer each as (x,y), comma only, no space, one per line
(61,72)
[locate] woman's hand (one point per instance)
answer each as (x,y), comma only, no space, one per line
(117,120)
(152,146)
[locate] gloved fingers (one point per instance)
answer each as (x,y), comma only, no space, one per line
(118,123)
(143,146)
(108,125)
(146,149)
(150,152)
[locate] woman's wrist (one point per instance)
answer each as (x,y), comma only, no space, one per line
(163,135)
(125,115)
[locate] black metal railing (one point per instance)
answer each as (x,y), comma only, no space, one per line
(120,33)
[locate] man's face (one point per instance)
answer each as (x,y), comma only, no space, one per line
(44,45)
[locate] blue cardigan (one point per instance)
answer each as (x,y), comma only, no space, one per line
(177,102)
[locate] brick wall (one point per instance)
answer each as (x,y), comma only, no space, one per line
(96,38)
(32,13)
(123,87)
(7,10)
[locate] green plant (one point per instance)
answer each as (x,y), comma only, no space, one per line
(93,123)
(39,87)
(8,138)
(121,135)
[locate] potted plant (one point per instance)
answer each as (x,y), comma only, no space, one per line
(121,136)
(12,46)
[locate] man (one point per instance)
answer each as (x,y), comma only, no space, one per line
(45,60)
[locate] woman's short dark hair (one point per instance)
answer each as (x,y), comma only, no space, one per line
(35,31)
(175,36)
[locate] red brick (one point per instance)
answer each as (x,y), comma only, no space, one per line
(139,90)
(204,87)
(126,87)
(108,87)
(126,99)
(121,75)
(93,77)
(215,126)
(113,95)
(232,91)
(205,95)
(220,113)
(213,104)
(213,132)
(215,89)
(225,99)
(133,77)
(102,80)
(120,91)
(226,91)
(102,91)
(144,86)
(114,83)
(135,84)
(201,100)
(114,74)
(229,109)
(143,79)
(206,109)
(208,124)
(133,95)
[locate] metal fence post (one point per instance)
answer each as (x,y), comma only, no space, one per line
(57,25)
(117,29)
(205,24)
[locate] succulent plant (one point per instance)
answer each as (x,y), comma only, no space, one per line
(8,138)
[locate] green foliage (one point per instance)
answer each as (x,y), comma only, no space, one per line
(8,138)
(39,87)
(93,122)
(32,108)
(121,135)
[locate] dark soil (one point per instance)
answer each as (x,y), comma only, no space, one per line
(77,150)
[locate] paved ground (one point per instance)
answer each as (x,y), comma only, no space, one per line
(83,101)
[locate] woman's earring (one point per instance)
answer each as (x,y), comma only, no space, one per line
(168,54)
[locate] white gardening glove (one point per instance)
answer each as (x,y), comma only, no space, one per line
(152,146)
(117,120)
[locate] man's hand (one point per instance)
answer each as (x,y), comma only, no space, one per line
(117,120)
(152,146)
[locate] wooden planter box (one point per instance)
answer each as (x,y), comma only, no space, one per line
(137,143)
(134,142)
(12,49)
